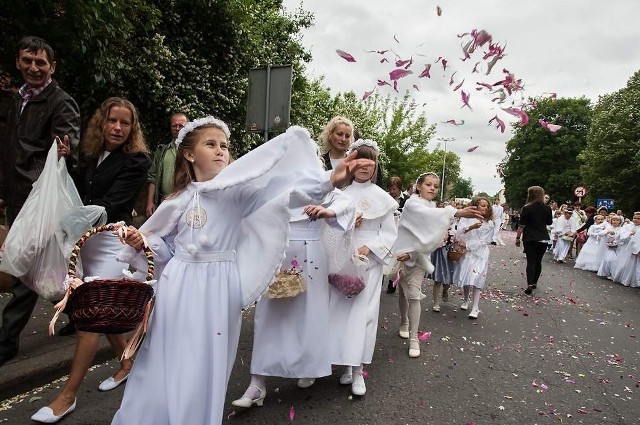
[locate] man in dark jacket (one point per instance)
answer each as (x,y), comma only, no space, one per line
(41,112)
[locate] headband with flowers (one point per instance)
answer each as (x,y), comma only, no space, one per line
(208,120)
(430,173)
(363,142)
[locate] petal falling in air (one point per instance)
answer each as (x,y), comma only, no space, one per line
(346,56)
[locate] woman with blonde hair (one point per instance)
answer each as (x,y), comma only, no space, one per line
(111,175)
(534,219)
(335,139)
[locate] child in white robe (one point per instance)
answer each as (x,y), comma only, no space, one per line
(610,240)
(624,268)
(291,335)
(474,265)
(354,320)
(421,230)
(218,242)
(588,257)
(565,230)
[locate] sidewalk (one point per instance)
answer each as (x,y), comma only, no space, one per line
(42,358)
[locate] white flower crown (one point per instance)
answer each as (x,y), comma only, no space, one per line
(429,173)
(363,142)
(208,120)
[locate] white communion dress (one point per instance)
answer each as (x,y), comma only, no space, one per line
(291,335)
(354,321)
(475,263)
(218,245)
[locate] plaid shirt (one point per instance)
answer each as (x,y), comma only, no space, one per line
(27,93)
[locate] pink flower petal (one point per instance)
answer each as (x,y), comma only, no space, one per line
(399,73)
(424,336)
(425,73)
(471,149)
(367,94)
(292,414)
(346,56)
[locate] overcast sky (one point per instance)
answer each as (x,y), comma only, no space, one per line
(570,47)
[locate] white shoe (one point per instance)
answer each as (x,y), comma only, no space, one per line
(306,382)
(346,378)
(414,348)
(247,402)
(436,308)
(474,313)
(45,414)
(358,387)
(464,305)
(110,383)
(403,330)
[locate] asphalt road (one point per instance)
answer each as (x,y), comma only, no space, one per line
(568,354)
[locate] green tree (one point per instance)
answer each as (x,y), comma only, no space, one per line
(612,155)
(538,157)
(164,55)
(463,188)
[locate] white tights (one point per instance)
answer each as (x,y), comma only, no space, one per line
(476,295)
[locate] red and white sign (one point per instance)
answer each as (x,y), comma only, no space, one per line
(580,191)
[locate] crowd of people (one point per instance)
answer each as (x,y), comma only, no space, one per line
(224,233)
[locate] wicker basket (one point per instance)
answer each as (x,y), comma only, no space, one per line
(287,284)
(109,305)
(457,251)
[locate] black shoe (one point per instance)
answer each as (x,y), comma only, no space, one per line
(390,288)
(534,286)
(7,355)
(529,290)
(494,243)
(67,330)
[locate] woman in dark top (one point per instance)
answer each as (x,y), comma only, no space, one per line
(115,168)
(534,219)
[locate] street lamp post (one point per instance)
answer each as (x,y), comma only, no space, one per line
(444,162)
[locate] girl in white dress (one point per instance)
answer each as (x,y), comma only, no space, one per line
(421,230)
(624,269)
(218,242)
(588,257)
(474,265)
(610,240)
(291,335)
(354,321)
(565,230)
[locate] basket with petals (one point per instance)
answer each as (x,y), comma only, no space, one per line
(288,283)
(107,305)
(457,251)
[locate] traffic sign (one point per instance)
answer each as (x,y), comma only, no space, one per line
(580,191)
(607,203)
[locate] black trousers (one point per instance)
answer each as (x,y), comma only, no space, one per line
(534,251)
(17,312)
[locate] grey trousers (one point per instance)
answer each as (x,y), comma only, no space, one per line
(17,312)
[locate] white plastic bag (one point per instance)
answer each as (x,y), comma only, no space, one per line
(41,238)
(347,269)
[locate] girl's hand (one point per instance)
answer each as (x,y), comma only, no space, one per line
(469,212)
(403,257)
(346,168)
(474,226)
(364,250)
(358,219)
(134,238)
(318,211)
